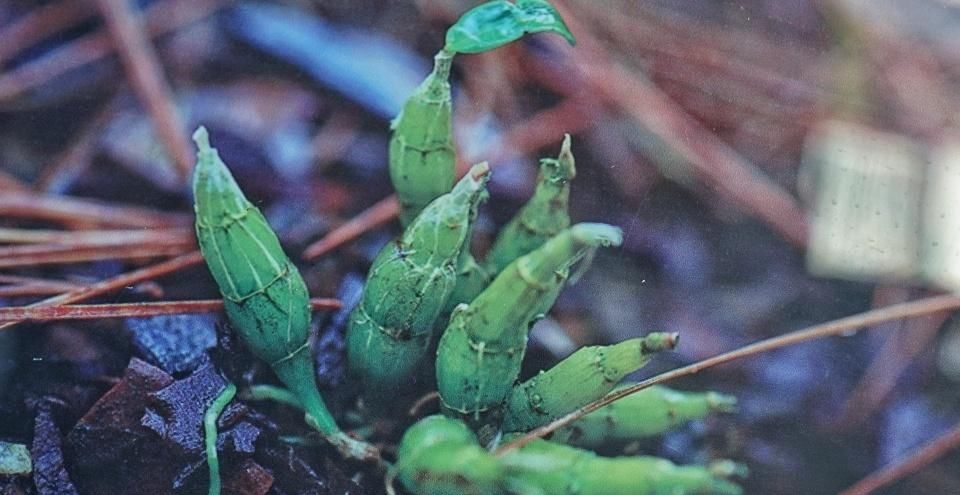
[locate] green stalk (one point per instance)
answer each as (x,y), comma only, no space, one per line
(264,295)
(391,329)
(421,154)
(479,355)
(584,376)
(647,413)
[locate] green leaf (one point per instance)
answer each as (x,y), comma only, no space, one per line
(499,22)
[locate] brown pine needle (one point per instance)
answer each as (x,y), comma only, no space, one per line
(145,74)
(162,18)
(119,282)
(917,460)
(23,256)
(379,214)
(129,310)
(833,328)
(95,237)
(85,212)
(41,23)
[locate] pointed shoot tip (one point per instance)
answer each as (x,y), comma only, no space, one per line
(202,138)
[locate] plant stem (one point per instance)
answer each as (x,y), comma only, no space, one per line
(836,327)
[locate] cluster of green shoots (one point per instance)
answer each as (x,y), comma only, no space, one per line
(430,306)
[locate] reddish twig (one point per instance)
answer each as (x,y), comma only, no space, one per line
(545,128)
(85,212)
(55,254)
(842,326)
(162,18)
(41,23)
(9,183)
(86,238)
(31,286)
(915,461)
(119,282)
(146,76)
(129,310)
(894,357)
(379,214)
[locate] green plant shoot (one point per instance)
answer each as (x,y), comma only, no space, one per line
(264,295)
(479,355)
(647,413)
(584,376)
(210,434)
(542,217)
(421,154)
(497,23)
(441,456)
(548,468)
(409,283)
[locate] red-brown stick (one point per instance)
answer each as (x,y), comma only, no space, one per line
(118,282)
(40,23)
(129,310)
(95,237)
(917,460)
(162,18)
(87,212)
(55,254)
(371,218)
(146,76)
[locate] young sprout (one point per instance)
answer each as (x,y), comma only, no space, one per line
(441,456)
(264,295)
(542,217)
(647,413)
(409,283)
(551,468)
(584,376)
(210,434)
(479,354)
(421,155)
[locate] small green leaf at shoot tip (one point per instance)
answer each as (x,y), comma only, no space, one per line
(499,22)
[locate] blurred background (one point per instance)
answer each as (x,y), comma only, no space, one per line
(773,163)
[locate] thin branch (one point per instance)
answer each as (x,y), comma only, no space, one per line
(129,310)
(836,327)
(917,460)
(89,238)
(146,76)
(85,212)
(41,23)
(162,18)
(9,183)
(55,254)
(379,214)
(117,283)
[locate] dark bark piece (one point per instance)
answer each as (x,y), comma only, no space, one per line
(175,343)
(109,447)
(49,473)
(175,414)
